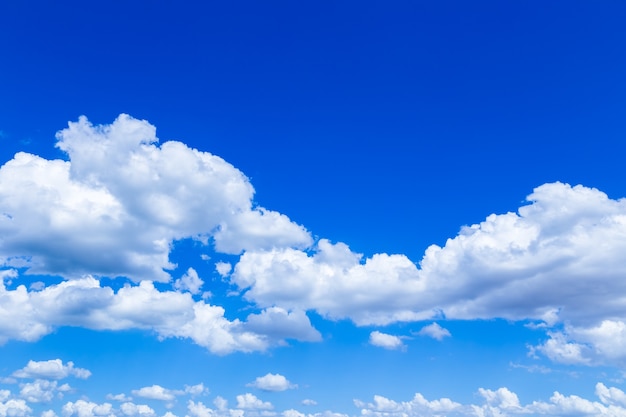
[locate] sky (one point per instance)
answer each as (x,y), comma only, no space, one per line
(312,209)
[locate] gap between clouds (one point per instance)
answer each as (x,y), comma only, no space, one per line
(121,200)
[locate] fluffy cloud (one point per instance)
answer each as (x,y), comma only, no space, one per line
(189,282)
(418,406)
(249,401)
(27,315)
(500,403)
(131,409)
(435,331)
(121,200)
(82,408)
(51,369)
(14,408)
(558,259)
(279,324)
(385,340)
(42,390)
(272,382)
(156,392)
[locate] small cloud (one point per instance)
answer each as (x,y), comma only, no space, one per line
(249,401)
(435,331)
(189,282)
(119,397)
(196,389)
(272,382)
(386,341)
(52,369)
(308,401)
(156,392)
(223,268)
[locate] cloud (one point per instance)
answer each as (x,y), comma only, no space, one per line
(51,369)
(435,331)
(249,401)
(14,408)
(42,390)
(119,397)
(223,268)
(156,392)
(559,259)
(116,206)
(131,409)
(189,282)
(272,382)
(385,340)
(308,401)
(82,408)
(501,402)
(27,315)
(278,324)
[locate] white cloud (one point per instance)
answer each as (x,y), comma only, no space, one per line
(82,408)
(51,369)
(249,401)
(41,390)
(4,394)
(278,324)
(119,397)
(200,410)
(223,268)
(435,331)
(131,409)
(189,282)
(121,200)
(197,389)
(385,340)
(308,401)
(156,392)
(14,408)
(272,382)
(558,260)
(500,403)
(83,302)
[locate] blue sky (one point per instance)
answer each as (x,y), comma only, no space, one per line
(291,209)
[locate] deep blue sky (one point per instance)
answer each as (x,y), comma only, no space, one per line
(384,125)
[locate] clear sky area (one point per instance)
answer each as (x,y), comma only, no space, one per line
(312,209)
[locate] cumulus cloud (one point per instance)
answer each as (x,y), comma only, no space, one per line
(51,369)
(84,302)
(557,260)
(156,392)
(435,331)
(131,409)
(116,206)
(14,408)
(82,408)
(278,324)
(385,340)
(42,390)
(189,282)
(249,401)
(272,382)
(500,402)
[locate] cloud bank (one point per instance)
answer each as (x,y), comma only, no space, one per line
(118,203)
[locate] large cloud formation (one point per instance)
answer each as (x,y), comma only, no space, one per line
(559,259)
(121,200)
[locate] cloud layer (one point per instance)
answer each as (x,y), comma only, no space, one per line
(116,206)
